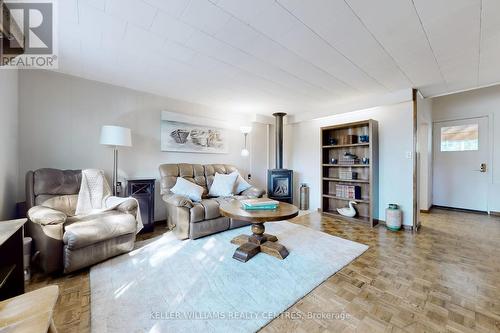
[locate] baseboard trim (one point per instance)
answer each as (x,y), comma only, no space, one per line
(461,210)
(403,227)
(494,213)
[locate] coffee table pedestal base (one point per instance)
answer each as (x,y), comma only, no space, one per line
(249,246)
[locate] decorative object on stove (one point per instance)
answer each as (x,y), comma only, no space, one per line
(280,180)
(393,217)
(365,160)
(364,138)
(348,191)
(245,130)
(304,197)
(348,139)
(333,141)
(348,211)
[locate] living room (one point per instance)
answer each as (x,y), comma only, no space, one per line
(243,166)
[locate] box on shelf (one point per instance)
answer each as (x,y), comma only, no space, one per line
(349,161)
(348,175)
(348,191)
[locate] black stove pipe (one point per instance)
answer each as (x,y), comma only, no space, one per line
(279,139)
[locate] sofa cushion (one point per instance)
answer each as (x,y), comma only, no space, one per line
(212,169)
(58,182)
(81,231)
(241,184)
(223,185)
(207,209)
(63,203)
(188,189)
(193,172)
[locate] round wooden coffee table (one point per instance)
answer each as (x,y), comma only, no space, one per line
(259,241)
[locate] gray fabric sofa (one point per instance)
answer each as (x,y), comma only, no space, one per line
(64,242)
(193,220)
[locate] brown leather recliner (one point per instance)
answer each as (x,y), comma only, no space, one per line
(193,220)
(64,242)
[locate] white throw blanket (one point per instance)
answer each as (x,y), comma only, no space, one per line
(95,196)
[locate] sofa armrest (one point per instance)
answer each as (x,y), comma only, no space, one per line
(254,192)
(45,216)
(178,200)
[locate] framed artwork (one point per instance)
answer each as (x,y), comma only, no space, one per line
(182,133)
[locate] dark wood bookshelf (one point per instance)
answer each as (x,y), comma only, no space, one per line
(332,147)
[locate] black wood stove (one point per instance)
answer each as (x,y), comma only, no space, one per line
(280,180)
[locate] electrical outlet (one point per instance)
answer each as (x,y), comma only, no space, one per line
(249,177)
(409,155)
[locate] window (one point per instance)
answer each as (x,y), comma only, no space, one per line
(460,138)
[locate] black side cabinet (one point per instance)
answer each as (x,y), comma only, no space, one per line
(11,258)
(144,191)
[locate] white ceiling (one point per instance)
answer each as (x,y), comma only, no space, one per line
(293,55)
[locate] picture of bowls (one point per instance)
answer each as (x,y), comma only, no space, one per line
(180,136)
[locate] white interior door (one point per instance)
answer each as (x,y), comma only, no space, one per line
(461,169)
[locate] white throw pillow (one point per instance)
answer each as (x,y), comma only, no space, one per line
(241,184)
(223,185)
(188,189)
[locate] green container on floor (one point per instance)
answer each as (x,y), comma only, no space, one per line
(393,217)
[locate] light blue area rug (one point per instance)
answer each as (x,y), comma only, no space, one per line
(169,285)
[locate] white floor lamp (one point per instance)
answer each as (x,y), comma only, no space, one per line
(115,136)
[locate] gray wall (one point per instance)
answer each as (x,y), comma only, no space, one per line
(8,142)
(60,117)
(395,141)
(477,103)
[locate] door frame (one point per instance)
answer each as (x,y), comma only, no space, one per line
(489,156)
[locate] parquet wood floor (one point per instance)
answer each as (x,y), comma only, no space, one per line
(445,278)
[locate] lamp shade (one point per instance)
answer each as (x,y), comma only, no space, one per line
(246,129)
(116,136)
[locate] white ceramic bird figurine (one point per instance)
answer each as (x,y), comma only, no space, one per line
(348,211)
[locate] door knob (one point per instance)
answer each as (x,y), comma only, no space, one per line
(483,167)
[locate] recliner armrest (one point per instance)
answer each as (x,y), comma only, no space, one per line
(254,192)
(178,200)
(45,216)
(128,206)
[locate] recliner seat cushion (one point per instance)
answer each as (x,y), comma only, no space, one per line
(81,231)
(63,203)
(207,209)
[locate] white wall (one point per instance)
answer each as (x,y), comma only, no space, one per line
(61,116)
(8,142)
(477,103)
(424,151)
(395,140)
